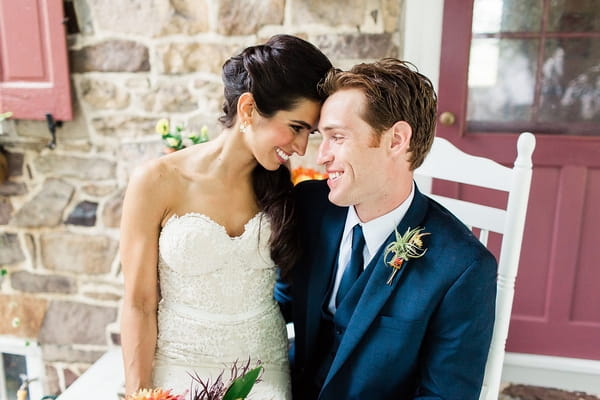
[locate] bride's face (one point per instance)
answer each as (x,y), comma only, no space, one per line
(273,140)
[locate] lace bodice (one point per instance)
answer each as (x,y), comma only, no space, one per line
(201,266)
(217,304)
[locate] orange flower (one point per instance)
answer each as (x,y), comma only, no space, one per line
(304,174)
(154,394)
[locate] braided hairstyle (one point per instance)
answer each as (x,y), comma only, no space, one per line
(278,74)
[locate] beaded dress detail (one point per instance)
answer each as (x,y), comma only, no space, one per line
(217,306)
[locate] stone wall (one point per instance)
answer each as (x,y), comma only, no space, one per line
(130,65)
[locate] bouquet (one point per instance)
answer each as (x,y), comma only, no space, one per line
(241,382)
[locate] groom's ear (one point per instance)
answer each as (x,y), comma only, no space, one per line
(401,133)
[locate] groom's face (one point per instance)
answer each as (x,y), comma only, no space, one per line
(357,164)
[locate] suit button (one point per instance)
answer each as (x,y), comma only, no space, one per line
(338,331)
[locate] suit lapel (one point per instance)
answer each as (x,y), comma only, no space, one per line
(376,292)
(323,263)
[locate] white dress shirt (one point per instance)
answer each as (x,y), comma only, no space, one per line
(375,233)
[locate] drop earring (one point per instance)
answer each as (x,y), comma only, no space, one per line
(243,127)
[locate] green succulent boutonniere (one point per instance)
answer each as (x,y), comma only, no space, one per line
(405,247)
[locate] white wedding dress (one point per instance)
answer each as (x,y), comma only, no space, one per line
(217,306)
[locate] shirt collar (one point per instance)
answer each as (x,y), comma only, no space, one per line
(378,229)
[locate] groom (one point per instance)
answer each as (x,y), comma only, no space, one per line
(414,322)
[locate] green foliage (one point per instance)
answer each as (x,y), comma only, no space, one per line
(241,387)
(5,115)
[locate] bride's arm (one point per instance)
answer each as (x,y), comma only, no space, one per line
(143,210)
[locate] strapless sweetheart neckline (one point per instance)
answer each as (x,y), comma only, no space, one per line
(192,214)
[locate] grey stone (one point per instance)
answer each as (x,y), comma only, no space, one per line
(104,296)
(5,211)
(357,46)
(124,126)
(46,207)
(70,376)
(111,213)
(234,16)
(51,383)
(15,163)
(83,214)
(66,353)
(134,154)
(141,17)
(103,95)
(183,58)
(329,12)
(84,18)
(98,190)
(20,144)
(111,56)
(89,169)
(391,15)
(169,98)
(10,249)
(150,18)
(138,84)
(84,254)
(31,246)
(72,131)
(8,188)
(210,99)
(33,129)
(69,322)
(36,283)
(186,17)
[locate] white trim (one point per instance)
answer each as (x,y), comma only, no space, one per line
(33,356)
(422,46)
(557,372)
(423,36)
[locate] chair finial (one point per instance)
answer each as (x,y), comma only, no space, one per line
(525,147)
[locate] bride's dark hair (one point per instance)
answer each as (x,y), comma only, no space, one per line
(279,74)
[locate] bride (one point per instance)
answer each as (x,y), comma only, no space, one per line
(203,229)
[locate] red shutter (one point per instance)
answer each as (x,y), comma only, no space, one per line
(34,72)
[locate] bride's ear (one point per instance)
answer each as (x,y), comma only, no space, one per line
(245,106)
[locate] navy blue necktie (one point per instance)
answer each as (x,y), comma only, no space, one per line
(354,267)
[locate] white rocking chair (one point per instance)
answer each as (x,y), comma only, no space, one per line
(447,162)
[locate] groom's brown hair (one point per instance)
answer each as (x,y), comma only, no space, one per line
(394,91)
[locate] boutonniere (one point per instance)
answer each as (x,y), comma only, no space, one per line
(405,247)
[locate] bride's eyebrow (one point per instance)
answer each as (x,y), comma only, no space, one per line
(303,123)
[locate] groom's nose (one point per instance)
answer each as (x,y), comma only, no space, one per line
(324,155)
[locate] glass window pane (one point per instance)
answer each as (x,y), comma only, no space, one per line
(14,366)
(502,79)
(570,89)
(574,16)
(493,16)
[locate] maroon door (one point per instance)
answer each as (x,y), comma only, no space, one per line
(509,66)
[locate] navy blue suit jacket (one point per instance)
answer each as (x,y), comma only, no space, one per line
(425,336)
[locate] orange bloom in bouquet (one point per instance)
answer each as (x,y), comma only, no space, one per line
(304,174)
(154,394)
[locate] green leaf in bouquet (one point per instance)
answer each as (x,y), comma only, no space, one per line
(241,387)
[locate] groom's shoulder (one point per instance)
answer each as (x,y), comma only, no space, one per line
(450,234)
